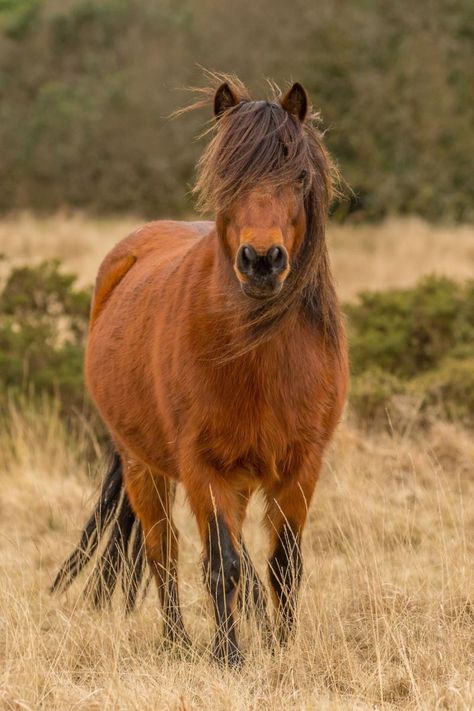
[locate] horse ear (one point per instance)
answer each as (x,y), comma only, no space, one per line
(226,97)
(295,101)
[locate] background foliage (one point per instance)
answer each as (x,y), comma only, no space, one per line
(85,88)
(43,325)
(412,354)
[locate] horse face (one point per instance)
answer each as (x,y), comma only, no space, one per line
(262,234)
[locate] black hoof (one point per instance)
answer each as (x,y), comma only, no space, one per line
(285,635)
(266,633)
(174,638)
(228,655)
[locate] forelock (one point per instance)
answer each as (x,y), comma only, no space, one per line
(255,142)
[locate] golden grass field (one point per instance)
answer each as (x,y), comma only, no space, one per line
(387,608)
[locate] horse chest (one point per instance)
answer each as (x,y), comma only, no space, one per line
(256,431)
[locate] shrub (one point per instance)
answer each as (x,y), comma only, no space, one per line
(43,324)
(412,354)
(371,396)
(449,391)
(18,16)
(410,331)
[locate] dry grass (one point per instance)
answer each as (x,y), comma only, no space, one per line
(387,613)
(387,609)
(398,253)
(79,242)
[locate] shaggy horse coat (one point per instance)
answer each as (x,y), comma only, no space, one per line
(217,359)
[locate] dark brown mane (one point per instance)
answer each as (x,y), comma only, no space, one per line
(258,142)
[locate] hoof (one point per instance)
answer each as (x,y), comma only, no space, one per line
(177,640)
(227,654)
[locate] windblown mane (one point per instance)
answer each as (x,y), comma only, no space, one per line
(259,142)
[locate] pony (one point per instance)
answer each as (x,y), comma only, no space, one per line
(217,358)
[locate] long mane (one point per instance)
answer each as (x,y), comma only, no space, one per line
(259,142)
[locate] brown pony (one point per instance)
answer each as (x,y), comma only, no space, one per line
(217,359)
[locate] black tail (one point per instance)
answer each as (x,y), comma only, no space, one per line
(123,554)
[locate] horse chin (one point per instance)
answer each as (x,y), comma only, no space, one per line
(261,293)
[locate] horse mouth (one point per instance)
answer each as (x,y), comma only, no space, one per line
(261,293)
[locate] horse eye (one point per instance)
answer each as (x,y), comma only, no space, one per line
(301,179)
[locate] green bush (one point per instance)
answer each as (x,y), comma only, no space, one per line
(17,17)
(372,397)
(412,354)
(410,331)
(43,325)
(449,391)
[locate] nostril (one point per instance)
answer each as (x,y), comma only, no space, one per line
(246,258)
(274,254)
(248,253)
(276,257)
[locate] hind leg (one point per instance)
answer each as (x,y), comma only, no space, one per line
(152,499)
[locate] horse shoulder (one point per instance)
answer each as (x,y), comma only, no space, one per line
(160,236)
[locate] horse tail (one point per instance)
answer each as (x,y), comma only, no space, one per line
(114,523)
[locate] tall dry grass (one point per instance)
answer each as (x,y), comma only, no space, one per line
(387,608)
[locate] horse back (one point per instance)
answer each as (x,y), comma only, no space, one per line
(162,238)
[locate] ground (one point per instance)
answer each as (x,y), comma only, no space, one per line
(387,611)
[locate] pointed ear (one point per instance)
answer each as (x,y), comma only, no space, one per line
(295,101)
(226,97)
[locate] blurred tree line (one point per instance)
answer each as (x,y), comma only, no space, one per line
(86,87)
